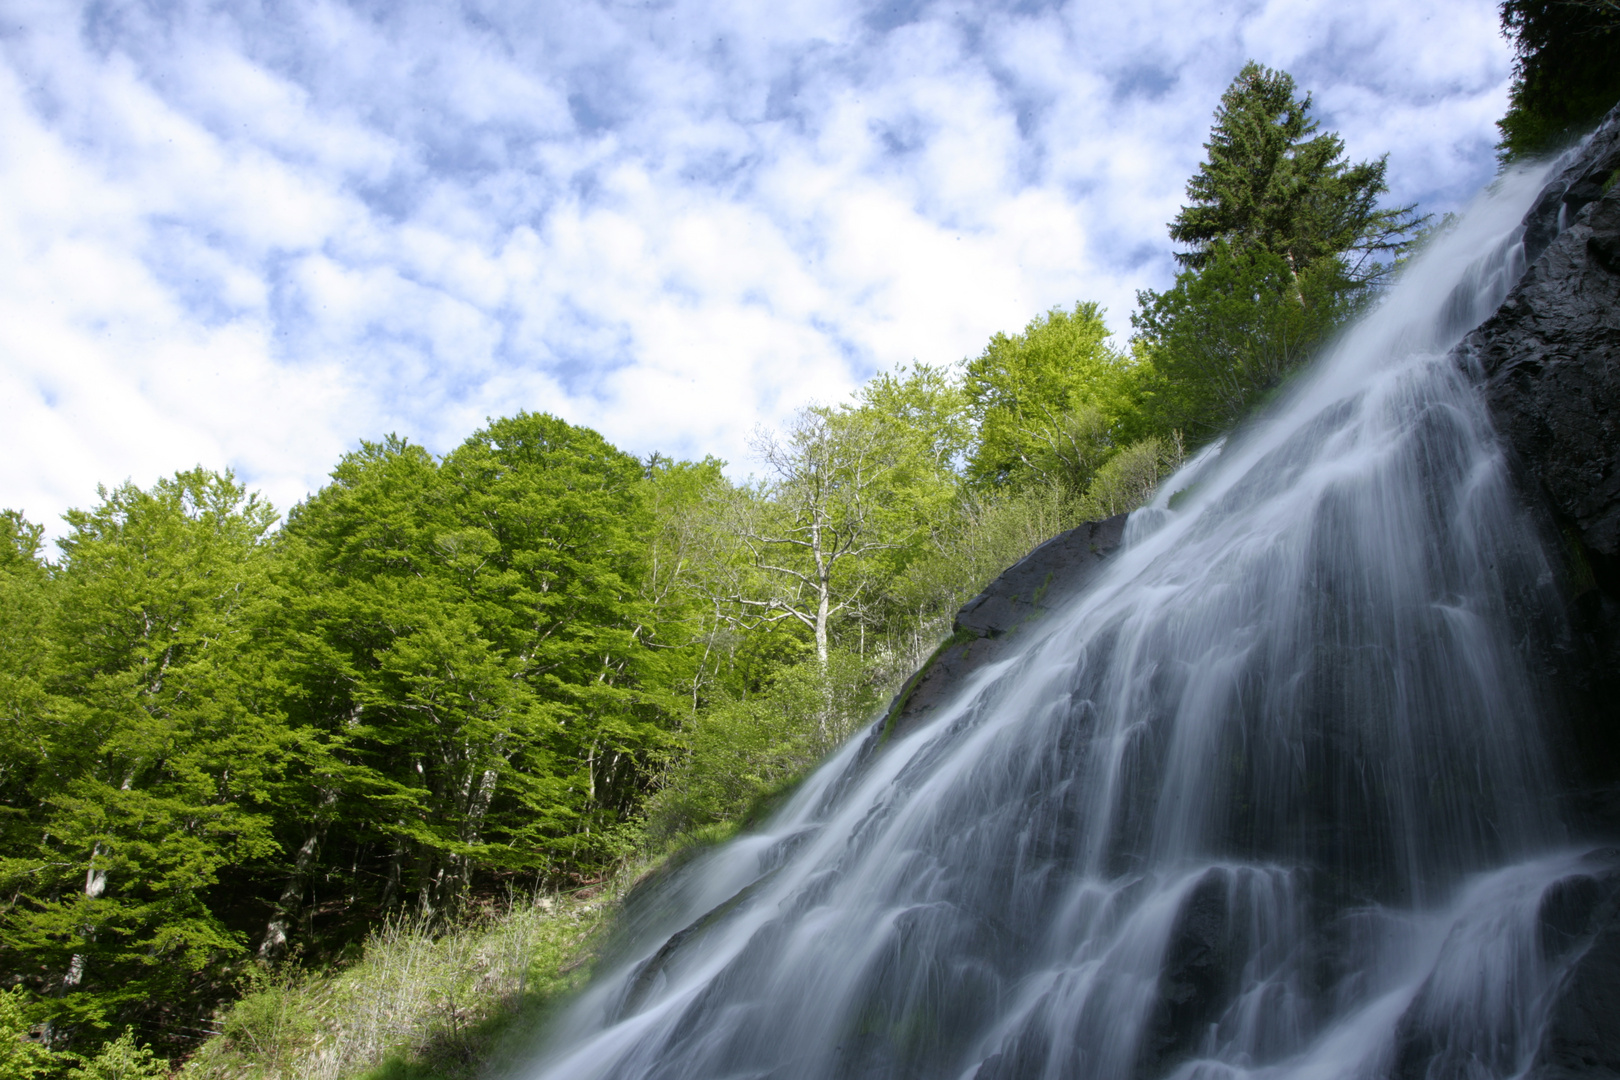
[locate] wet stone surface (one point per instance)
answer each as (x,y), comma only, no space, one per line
(1024,592)
(1550,363)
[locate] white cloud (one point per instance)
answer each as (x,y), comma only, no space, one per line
(251,237)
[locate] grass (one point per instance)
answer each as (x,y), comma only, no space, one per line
(418,1005)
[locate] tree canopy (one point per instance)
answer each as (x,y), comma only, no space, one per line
(1286,239)
(1566,71)
(1047,402)
(1273,183)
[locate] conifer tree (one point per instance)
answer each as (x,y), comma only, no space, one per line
(1286,240)
(1273,183)
(1566,71)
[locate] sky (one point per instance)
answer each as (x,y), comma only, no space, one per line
(249,235)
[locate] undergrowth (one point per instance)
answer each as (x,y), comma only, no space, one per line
(418,1005)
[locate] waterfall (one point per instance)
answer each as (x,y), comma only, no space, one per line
(1274,796)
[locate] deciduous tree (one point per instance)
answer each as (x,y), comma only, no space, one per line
(1046,403)
(160,750)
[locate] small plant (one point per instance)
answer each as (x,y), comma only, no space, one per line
(21,1058)
(272,1019)
(122,1059)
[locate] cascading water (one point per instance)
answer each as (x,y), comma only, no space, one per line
(1273,796)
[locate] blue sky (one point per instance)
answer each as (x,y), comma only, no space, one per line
(248,235)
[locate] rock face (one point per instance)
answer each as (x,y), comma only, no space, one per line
(1549,359)
(1551,353)
(1583,1033)
(1024,592)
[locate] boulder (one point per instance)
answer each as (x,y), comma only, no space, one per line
(1024,592)
(1580,922)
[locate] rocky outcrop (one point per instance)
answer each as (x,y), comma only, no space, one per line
(1549,359)
(1582,1038)
(1550,362)
(1580,927)
(1024,592)
(1550,354)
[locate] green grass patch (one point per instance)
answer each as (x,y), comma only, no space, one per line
(420,1004)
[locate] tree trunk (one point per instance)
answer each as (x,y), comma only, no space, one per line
(823,603)
(274,945)
(396,867)
(95,883)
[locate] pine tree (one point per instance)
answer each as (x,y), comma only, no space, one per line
(1566,73)
(1273,183)
(1287,240)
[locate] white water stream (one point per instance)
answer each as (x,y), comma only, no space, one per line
(1273,797)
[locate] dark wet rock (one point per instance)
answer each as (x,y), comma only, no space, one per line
(1582,1038)
(1581,919)
(1581,182)
(1050,573)
(1196,982)
(1053,572)
(1550,362)
(1551,358)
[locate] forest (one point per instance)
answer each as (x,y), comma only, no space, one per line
(239,740)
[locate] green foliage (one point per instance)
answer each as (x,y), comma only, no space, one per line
(1130,477)
(929,411)
(1565,71)
(845,506)
(1287,241)
(1227,333)
(1273,184)
(985,532)
(741,750)
(469,644)
(24,1058)
(420,1001)
(21,1058)
(153,750)
(26,600)
(20,542)
(122,1059)
(1047,403)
